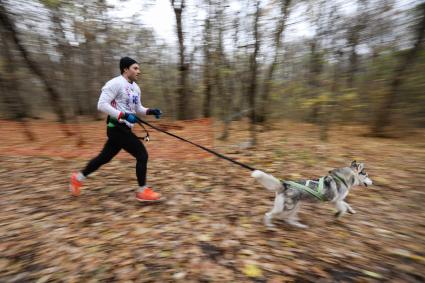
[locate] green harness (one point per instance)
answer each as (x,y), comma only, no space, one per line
(318,194)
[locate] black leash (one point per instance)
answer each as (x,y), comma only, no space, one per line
(141,122)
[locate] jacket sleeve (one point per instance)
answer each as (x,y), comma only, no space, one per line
(140,108)
(109,93)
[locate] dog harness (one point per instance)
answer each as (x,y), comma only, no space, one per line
(318,193)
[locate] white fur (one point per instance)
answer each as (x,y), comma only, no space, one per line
(268,181)
(278,210)
(368,181)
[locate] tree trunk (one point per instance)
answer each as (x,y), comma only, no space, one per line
(252,89)
(269,77)
(66,50)
(90,69)
(313,80)
(78,100)
(206,108)
(384,114)
(165,90)
(53,95)
(353,40)
(219,66)
(15,104)
(182,68)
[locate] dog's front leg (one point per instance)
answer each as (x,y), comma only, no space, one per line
(268,217)
(349,209)
(341,208)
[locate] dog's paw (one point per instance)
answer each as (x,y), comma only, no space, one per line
(271,227)
(351,211)
(297,224)
(339,214)
(268,222)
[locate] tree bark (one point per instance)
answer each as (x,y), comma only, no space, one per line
(15,104)
(252,89)
(183,68)
(269,77)
(53,95)
(384,114)
(207,103)
(90,68)
(313,80)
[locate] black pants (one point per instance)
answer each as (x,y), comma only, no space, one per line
(121,137)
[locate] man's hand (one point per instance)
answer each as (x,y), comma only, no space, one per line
(129,117)
(156,112)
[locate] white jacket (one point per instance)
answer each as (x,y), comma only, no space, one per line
(118,95)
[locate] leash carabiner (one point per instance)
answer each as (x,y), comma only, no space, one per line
(146,137)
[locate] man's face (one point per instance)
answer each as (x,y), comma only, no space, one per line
(133,72)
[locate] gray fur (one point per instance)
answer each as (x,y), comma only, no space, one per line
(336,187)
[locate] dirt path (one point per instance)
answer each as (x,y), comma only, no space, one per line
(210,229)
(52,142)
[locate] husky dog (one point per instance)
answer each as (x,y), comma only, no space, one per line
(333,187)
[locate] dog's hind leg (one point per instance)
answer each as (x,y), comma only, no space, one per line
(277,209)
(349,209)
(296,224)
(292,217)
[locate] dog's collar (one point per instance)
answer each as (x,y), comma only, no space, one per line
(318,194)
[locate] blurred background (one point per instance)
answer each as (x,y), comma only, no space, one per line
(315,61)
(293,87)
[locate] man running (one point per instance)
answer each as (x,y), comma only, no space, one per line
(120,99)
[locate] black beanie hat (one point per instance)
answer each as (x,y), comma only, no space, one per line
(126,62)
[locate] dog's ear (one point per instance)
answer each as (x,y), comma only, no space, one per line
(360,167)
(354,164)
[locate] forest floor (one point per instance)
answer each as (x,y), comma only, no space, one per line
(210,227)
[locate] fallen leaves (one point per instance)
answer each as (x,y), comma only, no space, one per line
(372,274)
(252,270)
(210,228)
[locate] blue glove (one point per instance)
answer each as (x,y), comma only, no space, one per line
(155,112)
(130,117)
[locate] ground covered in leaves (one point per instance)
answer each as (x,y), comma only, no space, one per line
(210,228)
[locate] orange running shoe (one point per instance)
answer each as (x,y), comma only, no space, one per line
(75,185)
(148,195)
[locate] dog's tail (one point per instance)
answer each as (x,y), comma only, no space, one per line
(267,180)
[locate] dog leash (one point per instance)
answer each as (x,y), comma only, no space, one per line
(318,194)
(141,122)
